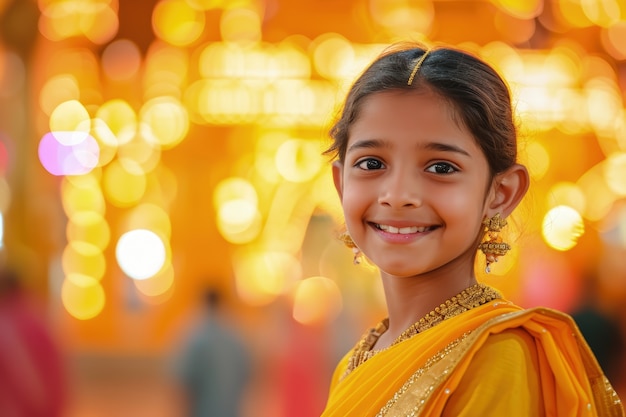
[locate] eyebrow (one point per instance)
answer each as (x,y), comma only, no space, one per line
(379,143)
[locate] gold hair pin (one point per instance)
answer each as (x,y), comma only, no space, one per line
(418,64)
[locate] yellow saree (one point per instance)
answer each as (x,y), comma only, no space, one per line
(493,360)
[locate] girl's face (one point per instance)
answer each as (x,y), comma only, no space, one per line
(414,185)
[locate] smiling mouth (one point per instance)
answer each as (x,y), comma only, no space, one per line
(403,230)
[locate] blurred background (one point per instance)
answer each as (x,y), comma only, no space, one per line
(151,151)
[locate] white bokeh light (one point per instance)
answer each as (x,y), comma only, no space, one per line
(140,253)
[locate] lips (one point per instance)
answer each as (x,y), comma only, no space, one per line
(403,230)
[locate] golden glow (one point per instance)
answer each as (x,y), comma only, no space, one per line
(240,25)
(604,103)
(140,253)
(5,195)
(158,284)
(79,196)
(333,56)
(613,39)
(261,276)
(83,296)
(70,116)
(598,195)
(167,121)
(175,22)
(403,16)
(165,71)
(121,119)
(122,187)
(151,217)
(561,228)
(141,154)
(316,300)
(107,142)
(522,9)
(88,227)
(567,194)
(537,160)
(299,160)
(121,60)
(94,19)
(602,13)
(615,173)
(56,90)
(236,203)
(84,259)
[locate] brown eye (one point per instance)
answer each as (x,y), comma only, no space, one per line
(442,168)
(370,164)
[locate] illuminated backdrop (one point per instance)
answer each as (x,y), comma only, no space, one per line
(171,144)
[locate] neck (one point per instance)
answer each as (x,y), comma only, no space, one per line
(411,298)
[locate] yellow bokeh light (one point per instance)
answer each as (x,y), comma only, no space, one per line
(177,23)
(140,253)
(122,187)
(57,90)
(151,217)
(602,12)
(615,173)
(121,119)
(333,56)
(598,195)
(158,284)
(561,227)
(521,9)
(70,116)
(403,16)
(299,160)
(167,121)
(88,227)
(107,142)
(101,24)
(240,25)
(141,154)
(261,277)
(165,71)
(234,188)
(604,103)
(84,259)
(83,296)
(316,300)
(567,194)
(238,221)
(84,195)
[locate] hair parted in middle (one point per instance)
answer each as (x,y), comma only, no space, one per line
(479,97)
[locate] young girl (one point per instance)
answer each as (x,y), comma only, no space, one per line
(426,172)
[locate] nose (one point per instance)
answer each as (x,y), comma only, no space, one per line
(401,189)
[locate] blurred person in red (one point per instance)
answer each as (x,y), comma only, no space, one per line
(31,370)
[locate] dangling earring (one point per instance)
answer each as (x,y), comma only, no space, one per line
(347,240)
(492,245)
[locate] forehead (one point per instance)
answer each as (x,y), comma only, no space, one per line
(409,115)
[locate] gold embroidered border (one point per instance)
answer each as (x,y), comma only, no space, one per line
(410,399)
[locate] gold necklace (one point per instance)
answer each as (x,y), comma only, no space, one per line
(469,298)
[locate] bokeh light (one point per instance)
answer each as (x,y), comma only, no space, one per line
(316,300)
(140,253)
(561,228)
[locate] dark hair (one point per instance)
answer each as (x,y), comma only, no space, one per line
(478,95)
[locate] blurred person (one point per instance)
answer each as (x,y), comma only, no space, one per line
(213,363)
(32,379)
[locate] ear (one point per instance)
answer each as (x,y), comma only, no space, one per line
(338,178)
(508,189)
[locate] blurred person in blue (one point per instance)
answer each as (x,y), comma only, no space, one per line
(32,377)
(213,363)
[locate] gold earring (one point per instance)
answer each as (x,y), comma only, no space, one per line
(347,240)
(492,245)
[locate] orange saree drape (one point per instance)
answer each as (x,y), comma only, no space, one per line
(493,360)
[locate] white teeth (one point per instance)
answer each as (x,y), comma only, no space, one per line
(402,230)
